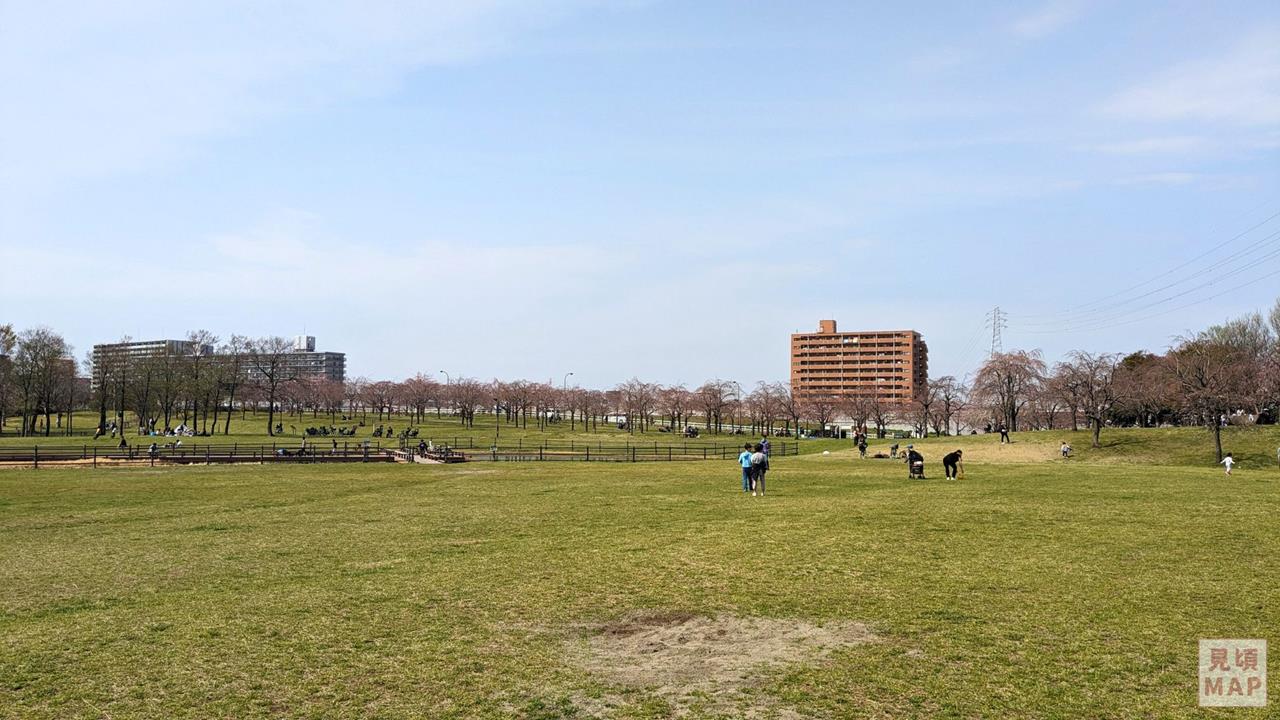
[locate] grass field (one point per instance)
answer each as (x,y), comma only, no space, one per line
(1034,588)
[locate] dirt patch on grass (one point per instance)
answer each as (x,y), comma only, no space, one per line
(692,660)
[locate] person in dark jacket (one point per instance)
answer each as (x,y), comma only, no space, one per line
(915,463)
(951,464)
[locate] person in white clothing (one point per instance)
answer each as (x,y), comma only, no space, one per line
(1228,461)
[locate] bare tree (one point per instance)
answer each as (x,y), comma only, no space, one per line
(638,401)
(1210,376)
(858,409)
(8,340)
(381,396)
(419,392)
(1065,385)
(713,397)
(881,414)
(1008,381)
(201,378)
(922,408)
(1095,378)
(469,396)
(676,403)
(40,367)
(951,400)
(1251,341)
(791,406)
(269,358)
(231,372)
(821,409)
(595,405)
(764,406)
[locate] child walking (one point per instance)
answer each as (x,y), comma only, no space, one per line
(759,466)
(744,459)
(1228,461)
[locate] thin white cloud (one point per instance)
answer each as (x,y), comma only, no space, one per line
(1047,19)
(94,89)
(1163,178)
(1155,145)
(1241,88)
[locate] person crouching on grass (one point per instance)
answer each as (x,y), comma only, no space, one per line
(951,464)
(744,459)
(759,466)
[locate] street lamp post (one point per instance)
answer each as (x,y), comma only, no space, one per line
(737,405)
(497,422)
(564,390)
(447,381)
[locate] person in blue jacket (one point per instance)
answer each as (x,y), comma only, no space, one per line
(744,460)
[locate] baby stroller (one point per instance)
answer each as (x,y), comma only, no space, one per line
(915,464)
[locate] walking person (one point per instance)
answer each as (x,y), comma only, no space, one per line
(862,447)
(1228,461)
(951,464)
(1004,434)
(744,460)
(764,443)
(759,467)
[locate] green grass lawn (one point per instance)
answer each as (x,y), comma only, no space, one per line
(1034,588)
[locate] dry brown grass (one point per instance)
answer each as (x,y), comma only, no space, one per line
(692,660)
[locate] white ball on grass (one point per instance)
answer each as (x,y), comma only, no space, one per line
(826,452)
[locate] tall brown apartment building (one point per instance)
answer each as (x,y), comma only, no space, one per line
(891,365)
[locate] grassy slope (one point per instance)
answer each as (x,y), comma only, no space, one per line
(1028,590)
(1253,447)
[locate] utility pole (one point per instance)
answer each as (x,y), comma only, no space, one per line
(996,321)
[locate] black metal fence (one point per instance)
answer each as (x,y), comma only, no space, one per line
(576,451)
(782,447)
(464,450)
(193,454)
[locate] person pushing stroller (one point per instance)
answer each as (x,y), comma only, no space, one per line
(915,464)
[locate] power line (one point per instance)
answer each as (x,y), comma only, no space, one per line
(1086,307)
(1108,311)
(1102,313)
(1169,310)
(1102,321)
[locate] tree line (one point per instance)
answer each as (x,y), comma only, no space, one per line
(1229,373)
(1224,375)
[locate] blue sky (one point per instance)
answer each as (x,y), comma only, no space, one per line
(659,189)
